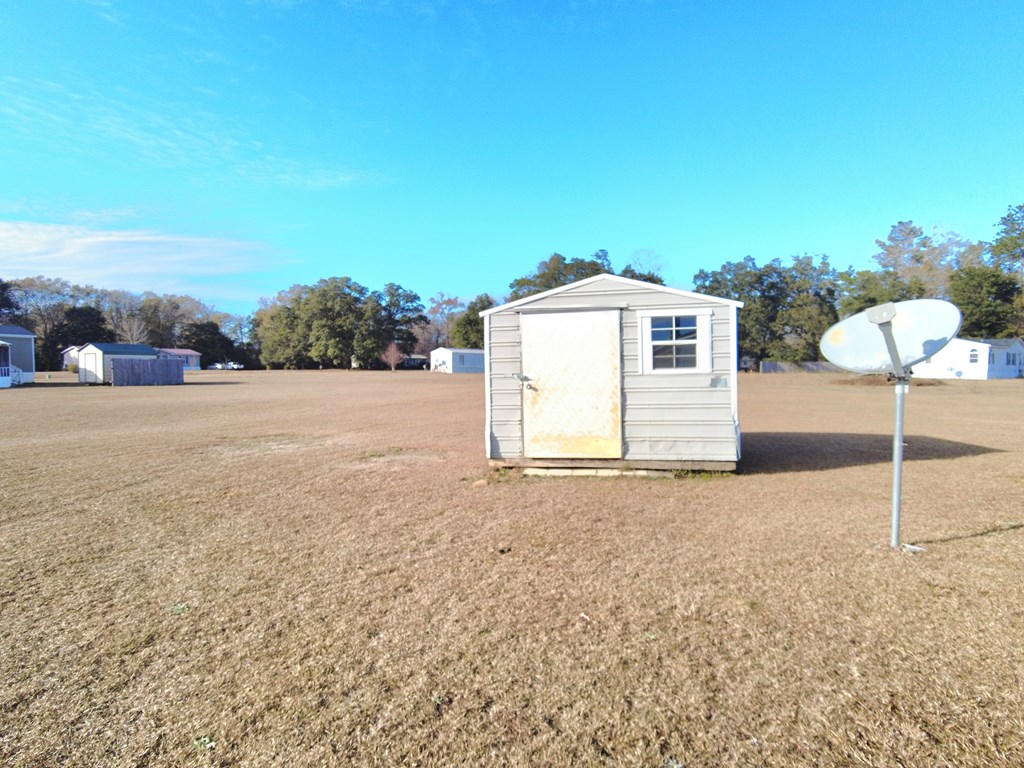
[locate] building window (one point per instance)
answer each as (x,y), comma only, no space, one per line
(973,356)
(462,359)
(1008,359)
(676,342)
(991,358)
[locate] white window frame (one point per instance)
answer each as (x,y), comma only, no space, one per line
(646,344)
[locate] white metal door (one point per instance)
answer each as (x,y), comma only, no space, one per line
(87,365)
(572,389)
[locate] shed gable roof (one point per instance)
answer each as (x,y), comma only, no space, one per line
(626,281)
(109,348)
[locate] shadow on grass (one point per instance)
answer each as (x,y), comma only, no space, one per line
(766,453)
(49,385)
(976,535)
(43,386)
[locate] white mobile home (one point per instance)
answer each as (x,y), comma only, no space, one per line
(456,360)
(1005,358)
(95,361)
(189,357)
(612,372)
(975,359)
(20,357)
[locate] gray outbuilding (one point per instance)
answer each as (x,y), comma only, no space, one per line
(18,358)
(610,372)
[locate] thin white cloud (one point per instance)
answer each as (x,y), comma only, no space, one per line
(167,134)
(132,260)
(105,9)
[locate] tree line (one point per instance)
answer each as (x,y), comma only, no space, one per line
(788,307)
(338,323)
(63,314)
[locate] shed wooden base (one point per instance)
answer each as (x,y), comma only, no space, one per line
(620,464)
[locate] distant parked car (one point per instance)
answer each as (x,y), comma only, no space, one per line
(234,366)
(215,367)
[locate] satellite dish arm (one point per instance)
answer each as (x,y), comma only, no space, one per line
(882,316)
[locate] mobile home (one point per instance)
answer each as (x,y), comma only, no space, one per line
(456,360)
(20,357)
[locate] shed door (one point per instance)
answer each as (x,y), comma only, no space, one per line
(87,367)
(572,398)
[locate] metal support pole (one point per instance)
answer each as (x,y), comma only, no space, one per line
(897,462)
(882,316)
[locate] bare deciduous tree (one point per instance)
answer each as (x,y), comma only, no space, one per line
(392,356)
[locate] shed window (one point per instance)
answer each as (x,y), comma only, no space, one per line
(973,358)
(675,343)
(991,358)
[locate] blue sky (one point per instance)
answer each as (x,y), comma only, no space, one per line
(228,149)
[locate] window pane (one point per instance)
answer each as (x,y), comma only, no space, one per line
(685,327)
(686,357)
(664,357)
(661,322)
(665,335)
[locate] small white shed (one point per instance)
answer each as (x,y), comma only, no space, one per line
(95,360)
(456,360)
(613,372)
(69,355)
(974,359)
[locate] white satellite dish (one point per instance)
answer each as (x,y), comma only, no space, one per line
(889,338)
(920,328)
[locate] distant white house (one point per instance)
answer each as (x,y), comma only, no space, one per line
(1005,358)
(456,360)
(17,356)
(975,359)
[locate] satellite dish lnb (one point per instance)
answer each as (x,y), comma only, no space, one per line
(889,338)
(920,328)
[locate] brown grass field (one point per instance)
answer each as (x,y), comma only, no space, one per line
(319,569)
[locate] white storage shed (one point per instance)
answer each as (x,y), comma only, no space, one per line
(95,361)
(456,360)
(610,372)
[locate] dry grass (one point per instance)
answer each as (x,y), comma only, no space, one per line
(302,569)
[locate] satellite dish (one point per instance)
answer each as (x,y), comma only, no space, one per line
(889,338)
(920,328)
